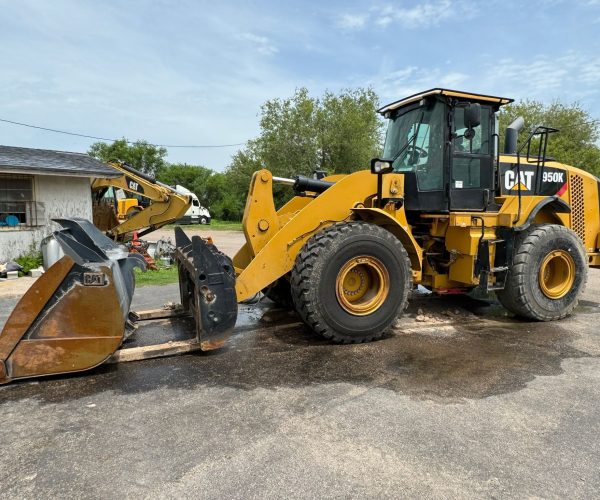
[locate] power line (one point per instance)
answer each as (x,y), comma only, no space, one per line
(112,140)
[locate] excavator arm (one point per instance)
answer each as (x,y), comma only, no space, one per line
(167,204)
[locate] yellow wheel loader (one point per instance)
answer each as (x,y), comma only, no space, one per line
(443,208)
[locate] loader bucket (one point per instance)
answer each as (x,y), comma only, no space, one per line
(75,315)
(207,288)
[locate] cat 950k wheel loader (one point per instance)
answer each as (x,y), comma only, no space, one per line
(443,208)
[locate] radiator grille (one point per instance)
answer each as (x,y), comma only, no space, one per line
(577,206)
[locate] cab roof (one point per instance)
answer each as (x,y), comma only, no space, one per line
(500,101)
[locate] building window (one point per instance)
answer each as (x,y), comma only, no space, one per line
(18,208)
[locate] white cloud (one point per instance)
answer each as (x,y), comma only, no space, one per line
(393,85)
(569,76)
(352,21)
(453,80)
(262,44)
(416,15)
(419,15)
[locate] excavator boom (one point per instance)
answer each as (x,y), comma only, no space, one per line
(167,204)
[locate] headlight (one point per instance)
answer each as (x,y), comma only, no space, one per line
(380,166)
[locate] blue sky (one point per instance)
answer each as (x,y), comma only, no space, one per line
(195,72)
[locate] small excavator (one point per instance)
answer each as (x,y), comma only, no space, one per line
(166,204)
(443,208)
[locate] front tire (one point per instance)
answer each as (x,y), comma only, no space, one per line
(548,274)
(351,281)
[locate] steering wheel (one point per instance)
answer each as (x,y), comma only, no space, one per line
(414,154)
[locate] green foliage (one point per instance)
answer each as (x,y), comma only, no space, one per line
(336,133)
(350,130)
(211,188)
(225,225)
(192,177)
(140,155)
(225,203)
(577,142)
(30,260)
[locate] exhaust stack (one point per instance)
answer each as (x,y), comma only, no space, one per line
(512,136)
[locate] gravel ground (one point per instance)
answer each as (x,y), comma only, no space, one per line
(228,242)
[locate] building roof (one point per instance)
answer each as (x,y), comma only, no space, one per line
(452,93)
(48,162)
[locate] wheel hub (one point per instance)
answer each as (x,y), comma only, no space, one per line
(362,285)
(557,274)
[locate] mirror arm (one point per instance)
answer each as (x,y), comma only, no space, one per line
(379,190)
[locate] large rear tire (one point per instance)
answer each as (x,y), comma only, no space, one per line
(548,274)
(351,281)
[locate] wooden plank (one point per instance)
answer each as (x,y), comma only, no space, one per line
(154,351)
(160,313)
(176,347)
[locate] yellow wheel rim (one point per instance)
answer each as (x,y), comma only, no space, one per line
(362,285)
(557,274)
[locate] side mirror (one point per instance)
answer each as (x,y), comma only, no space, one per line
(472,115)
(379,166)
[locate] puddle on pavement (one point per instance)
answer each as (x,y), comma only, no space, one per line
(490,355)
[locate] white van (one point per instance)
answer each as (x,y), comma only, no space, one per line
(196,214)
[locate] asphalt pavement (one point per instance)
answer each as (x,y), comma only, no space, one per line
(467,402)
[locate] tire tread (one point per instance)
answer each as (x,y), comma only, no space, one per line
(514,296)
(303,271)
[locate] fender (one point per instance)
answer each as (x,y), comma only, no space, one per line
(387,221)
(555,203)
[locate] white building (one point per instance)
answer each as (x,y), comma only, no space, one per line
(38,185)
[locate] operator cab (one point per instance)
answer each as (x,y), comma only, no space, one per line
(445,143)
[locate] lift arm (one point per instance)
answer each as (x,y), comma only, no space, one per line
(167,204)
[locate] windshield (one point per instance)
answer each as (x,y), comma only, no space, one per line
(415,140)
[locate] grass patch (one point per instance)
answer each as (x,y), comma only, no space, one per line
(215,225)
(163,276)
(30,260)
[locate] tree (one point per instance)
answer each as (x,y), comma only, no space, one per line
(212,188)
(141,155)
(192,177)
(224,202)
(350,131)
(577,142)
(336,133)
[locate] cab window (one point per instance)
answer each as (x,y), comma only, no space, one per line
(415,141)
(470,164)
(480,143)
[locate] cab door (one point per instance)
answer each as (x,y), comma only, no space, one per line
(472,163)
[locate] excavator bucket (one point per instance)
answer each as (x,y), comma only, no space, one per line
(75,315)
(207,287)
